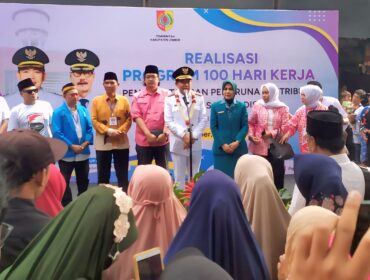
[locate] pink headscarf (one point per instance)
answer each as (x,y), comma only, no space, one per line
(49,201)
(158,216)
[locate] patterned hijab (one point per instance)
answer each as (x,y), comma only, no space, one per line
(77,243)
(216,225)
(319,179)
(254,176)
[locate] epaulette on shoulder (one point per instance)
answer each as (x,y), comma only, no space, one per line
(198,93)
(171,94)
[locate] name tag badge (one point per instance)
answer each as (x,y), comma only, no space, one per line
(221,112)
(113,121)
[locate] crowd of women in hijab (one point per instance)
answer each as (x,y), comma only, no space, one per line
(236,225)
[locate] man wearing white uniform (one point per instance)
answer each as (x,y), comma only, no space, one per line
(31,62)
(32,113)
(184,109)
(4,115)
(325,136)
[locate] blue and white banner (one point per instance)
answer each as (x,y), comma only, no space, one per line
(251,47)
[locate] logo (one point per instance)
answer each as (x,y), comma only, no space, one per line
(81,56)
(30,53)
(36,122)
(185,70)
(165,20)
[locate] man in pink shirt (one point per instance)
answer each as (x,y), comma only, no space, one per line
(147,110)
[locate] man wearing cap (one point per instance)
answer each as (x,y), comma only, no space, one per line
(82,63)
(31,64)
(326,137)
(184,109)
(72,124)
(32,113)
(24,170)
(111,118)
(147,110)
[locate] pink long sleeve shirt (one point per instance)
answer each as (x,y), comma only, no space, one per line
(259,121)
(150,108)
(299,122)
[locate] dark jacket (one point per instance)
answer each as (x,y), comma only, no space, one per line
(27,222)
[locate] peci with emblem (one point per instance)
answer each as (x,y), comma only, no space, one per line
(82,64)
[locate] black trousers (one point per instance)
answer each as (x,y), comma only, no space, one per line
(349,143)
(82,177)
(145,155)
(278,169)
(120,160)
(357,149)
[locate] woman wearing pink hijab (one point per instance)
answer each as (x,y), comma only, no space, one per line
(50,201)
(310,97)
(158,216)
(267,121)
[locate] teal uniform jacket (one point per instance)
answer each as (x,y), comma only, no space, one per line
(229,124)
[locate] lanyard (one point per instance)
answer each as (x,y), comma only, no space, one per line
(112,106)
(75,116)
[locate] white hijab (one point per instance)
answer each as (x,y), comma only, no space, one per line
(274,93)
(313,94)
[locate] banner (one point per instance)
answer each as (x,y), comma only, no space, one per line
(251,47)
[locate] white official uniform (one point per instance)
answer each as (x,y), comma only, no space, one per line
(175,117)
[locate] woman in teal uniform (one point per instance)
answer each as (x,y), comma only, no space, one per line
(229,126)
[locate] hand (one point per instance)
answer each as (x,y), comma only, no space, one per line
(77,149)
(227,149)
(151,138)
(352,118)
(281,267)
(284,139)
(254,139)
(267,135)
(234,145)
(186,139)
(113,132)
(162,138)
(313,259)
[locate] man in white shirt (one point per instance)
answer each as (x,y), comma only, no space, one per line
(32,113)
(4,115)
(185,109)
(325,136)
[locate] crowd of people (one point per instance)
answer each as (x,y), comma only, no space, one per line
(236,226)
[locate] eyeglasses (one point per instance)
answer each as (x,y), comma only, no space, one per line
(30,91)
(78,74)
(6,229)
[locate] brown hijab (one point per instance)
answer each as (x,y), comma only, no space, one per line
(264,209)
